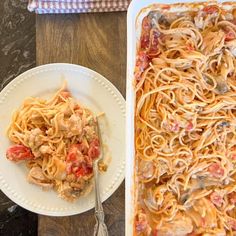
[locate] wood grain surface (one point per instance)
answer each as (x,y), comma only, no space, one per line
(97,41)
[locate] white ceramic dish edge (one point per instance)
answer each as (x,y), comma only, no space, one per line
(133,31)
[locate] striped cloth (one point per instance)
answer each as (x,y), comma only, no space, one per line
(76,6)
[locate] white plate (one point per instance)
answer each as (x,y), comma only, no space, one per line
(93,91)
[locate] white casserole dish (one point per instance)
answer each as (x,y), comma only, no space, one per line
(134,21)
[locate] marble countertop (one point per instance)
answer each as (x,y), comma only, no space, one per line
(17,54)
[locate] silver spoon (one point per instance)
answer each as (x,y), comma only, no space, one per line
(100,228)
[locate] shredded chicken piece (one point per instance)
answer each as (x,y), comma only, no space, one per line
(222,86)
(59,121)
(180,226)
(71,126)
(202,21)
(34,139)
(146,169)
(71,191)
(213,42)
(37,177)
(74,125)
(66,192)
(45,149)
(199,22)
(89,132)
(203,213)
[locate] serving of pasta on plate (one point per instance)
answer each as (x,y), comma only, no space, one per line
(185,121)
(58,140)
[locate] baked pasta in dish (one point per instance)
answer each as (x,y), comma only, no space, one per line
(185,121)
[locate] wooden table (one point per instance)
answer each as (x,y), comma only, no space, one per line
(97,41)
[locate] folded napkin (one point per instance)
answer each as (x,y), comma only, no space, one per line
(77,6)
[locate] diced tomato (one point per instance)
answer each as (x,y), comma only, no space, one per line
(232,224)
(71,157)
(77,164)
(72,153)
(19,152)
(232,198)
(145,34)
(74,149)
(149,38)
(94,149)
(83,148)
(82,171)
(146,24)
(216,199)
(142,60)
(229,35)
(144,41)
(155,232)
(211,9)
(89,170)
(216,170)
(95,142)
(189,126)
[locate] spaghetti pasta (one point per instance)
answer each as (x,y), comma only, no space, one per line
(57,138)
(185,136)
